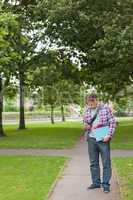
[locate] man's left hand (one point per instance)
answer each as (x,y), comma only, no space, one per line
(107,138)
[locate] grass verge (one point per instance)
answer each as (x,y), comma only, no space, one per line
(28,177)
(124,168)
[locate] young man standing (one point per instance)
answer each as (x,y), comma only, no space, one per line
(98,119)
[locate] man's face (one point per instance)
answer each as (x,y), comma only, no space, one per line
(92,103)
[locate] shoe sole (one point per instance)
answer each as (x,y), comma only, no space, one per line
(93,188)
(106,192)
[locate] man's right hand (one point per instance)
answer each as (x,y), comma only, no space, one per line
(87,127)
(82,138)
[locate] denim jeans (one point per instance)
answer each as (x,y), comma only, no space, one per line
(95,149)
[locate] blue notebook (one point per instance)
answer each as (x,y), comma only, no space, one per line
(100,133)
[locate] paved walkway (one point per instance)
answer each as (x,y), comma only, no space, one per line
(79,150)
(76,177)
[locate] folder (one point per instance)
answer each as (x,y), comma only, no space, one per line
(100,133)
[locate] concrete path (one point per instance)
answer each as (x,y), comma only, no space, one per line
(76,177)
(65,152)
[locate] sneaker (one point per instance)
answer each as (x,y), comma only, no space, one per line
(106,189)
(93,186)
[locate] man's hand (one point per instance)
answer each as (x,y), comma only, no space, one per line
(107,138)
(82,138)
(87,127)
(94,127)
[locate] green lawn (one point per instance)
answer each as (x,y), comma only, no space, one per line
(58,136)
(124,168)
(123,138)
(28,177)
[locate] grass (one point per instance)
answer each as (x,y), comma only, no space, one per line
(60,136)
(28,177)
(124,168)
(123,138)
(47,136)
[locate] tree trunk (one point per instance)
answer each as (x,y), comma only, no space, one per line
(1,109)
(62,113)
(21,90)
(52,114)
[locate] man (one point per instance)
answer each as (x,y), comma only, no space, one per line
(97,117)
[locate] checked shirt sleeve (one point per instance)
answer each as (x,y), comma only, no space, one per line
(87,116)
(112,122)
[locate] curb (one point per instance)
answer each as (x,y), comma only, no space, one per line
(117,180)
(57,179)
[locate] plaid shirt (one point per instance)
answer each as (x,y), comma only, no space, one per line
(105,118)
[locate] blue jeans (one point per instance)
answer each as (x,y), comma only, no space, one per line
(95,149)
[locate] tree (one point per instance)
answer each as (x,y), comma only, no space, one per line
(24,43)
(68,93)
(52,76)
(1,110)
(101,35)
(8,25)
(45,79)
(112,55)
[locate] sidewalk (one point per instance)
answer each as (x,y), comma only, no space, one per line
(76,177)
